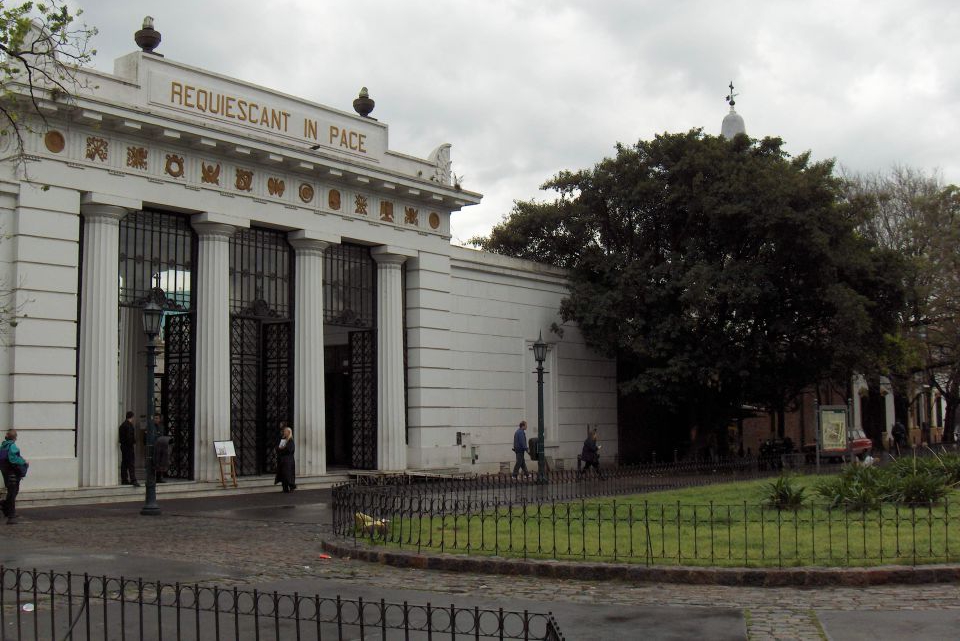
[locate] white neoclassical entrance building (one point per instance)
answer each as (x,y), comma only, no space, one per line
(306,275)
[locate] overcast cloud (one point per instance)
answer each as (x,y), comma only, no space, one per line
(523,89)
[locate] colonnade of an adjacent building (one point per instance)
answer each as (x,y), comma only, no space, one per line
(98,370)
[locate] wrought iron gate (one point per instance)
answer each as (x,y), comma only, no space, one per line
(261,279)
(259,391)
(363,398)
(177,396)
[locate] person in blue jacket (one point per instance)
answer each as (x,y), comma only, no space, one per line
(520,448)
(13,467)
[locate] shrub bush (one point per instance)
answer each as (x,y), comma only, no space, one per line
(857,487)
(783,494)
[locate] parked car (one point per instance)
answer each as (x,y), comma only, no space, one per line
(859,446)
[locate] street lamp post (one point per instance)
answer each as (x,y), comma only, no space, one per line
(152,315)
(540,354)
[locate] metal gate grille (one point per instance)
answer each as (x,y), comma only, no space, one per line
(177,397)
(261,274)
(244,391)
(276,387)
(363,395)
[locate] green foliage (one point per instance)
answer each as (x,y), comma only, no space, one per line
(857,487)
(40,48)
(785,494)
(924,480)
(909,481)
(719,272)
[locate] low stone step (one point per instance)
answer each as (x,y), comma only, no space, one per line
(172,489)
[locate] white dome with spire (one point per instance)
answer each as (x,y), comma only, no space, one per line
(732,125)
(732,122)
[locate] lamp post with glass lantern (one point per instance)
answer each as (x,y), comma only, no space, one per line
(540,355)
(152,316)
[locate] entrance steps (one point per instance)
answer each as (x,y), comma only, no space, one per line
(171,489)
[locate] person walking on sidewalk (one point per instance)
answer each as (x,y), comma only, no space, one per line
(128,436)
(14,468)
(590,455)
(286,465)
(520,448)
(161,450)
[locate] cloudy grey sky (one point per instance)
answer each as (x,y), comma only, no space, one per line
(525,88)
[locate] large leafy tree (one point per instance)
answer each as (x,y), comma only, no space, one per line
(918,216)
(719,272)
(41,46)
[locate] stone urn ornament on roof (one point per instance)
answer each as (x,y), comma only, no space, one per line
(147,38)
(363,104)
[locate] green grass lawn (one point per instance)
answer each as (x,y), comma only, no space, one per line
(718,525)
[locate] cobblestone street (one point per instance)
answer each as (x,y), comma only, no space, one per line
(274,540)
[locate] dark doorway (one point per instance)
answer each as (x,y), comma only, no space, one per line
(339,424)
(350,356)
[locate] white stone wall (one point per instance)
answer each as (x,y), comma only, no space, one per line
(39,257)
(479,377)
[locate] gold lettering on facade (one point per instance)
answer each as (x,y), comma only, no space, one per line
(411,216)
(309,128)
(137,157)
(208,101)
(386,211)
(276,186)
(96,148)
(333,199)
(244,180)
(434,220)
(306,192)
(361,202)
(210,174)
(174,165)
(347,139)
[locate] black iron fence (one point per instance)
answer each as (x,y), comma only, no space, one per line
(50,605)
(575,517)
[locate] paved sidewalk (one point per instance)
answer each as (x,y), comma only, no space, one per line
(272,541)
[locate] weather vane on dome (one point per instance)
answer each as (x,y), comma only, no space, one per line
(731,95)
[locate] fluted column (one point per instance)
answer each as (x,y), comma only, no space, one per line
(391,409)
(98,369)
(309,405)
(212,412)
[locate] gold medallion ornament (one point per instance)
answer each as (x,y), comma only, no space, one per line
(96,148)
(54,141)
(306,192)
(210,174)
(333,199)
(386,211)
(411,216)
(174,165)
(244,180)
(434,220)
(276,186)
(361,203)
(137,157)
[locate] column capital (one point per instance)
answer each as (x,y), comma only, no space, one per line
(109,214)
(305,240)
(391,255)
(91,198)
(217,225)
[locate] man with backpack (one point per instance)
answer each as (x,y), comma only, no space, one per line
(13,467)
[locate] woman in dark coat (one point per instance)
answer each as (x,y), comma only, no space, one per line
(286,466)
(590,455)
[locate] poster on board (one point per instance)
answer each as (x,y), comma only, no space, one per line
(224,449)
(833,427)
